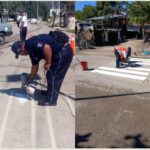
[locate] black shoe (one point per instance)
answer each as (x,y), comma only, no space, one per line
(46,103)
(43,92)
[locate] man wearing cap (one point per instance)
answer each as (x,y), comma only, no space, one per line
(23,26)
(122,54)
(58,57)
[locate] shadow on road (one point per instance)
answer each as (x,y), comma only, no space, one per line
(61,93)
(20,93)
(82,138)
(137,142)
(110,96)
(17,78)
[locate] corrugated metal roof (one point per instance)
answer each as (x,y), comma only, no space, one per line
(106,17)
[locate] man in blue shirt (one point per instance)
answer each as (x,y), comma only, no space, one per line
(58,57)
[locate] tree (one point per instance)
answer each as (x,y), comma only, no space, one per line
(29,6)
(104,8)
(79,15)
(109,8)
(139,12)
(89,11)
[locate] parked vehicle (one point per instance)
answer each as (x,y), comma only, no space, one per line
(83,24)
(5,30)
(33,21)
(84,37)
(11,20)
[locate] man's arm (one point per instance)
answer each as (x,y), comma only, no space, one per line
(22,23)
(34,71)
(48,56)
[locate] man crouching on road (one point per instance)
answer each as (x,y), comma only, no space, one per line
(58,56)
(122,54)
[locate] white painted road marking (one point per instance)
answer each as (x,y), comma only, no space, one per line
(124,71)
(140,59)
(143,63)
(33,123)
(5,119)
(136,73)
(22,98)
(50,128)
(123,75)
(139,69)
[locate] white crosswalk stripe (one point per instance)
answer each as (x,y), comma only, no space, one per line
(136,73)
(140,59)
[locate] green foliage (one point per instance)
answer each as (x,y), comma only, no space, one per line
(88,12)
(139,12)
(79,15)
(29,6)
(103,8)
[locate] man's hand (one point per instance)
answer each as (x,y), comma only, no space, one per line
(29,80)
(126,60)
(47,66)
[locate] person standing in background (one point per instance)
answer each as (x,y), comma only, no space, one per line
(18,18)
(23,27)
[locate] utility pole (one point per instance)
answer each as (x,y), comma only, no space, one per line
(7,11)
(7,6)
(37,10)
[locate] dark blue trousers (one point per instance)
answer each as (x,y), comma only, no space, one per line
(55,76)
(118,59)
(23,34)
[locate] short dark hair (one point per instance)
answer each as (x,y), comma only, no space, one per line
(16,48)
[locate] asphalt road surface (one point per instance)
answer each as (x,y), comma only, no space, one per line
(112,105)
(23,123)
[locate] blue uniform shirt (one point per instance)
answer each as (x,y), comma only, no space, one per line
(35,46)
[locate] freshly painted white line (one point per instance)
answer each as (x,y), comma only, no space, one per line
(124,71)
(68,101)
(5,119)
(142,63)
(123,75)
(22,98)
(33,124)
(140,59)
(50,128)
(139,69)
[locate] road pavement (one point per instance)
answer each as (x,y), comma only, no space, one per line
(112,105)
(23,123)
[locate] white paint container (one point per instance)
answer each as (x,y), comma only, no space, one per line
(30,90)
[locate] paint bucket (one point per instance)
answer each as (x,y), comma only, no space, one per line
(30,90)
(146,53)
(84,65)
(24,78)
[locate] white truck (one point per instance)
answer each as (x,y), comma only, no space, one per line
(5,30)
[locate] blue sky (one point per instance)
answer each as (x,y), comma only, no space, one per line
(80,4)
